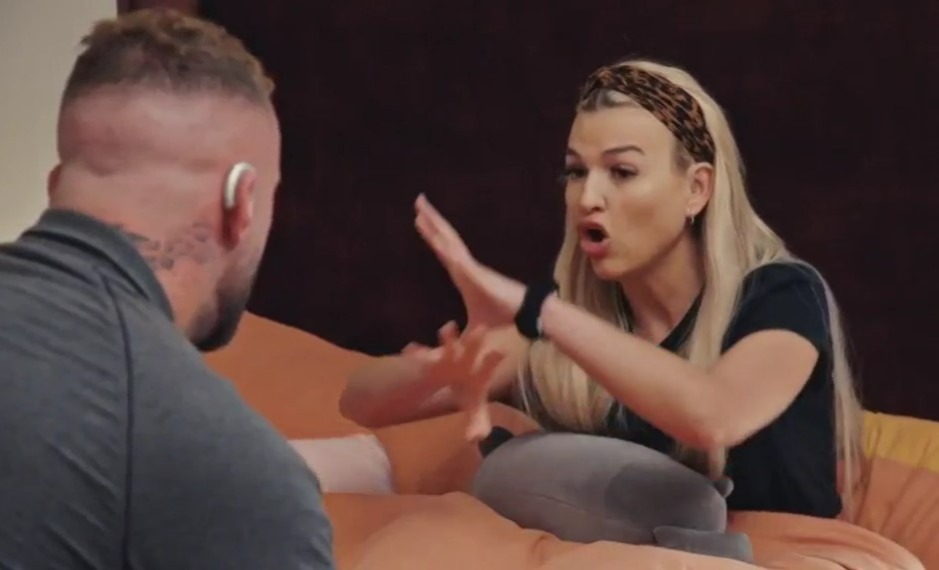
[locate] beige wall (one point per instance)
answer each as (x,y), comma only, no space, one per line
(38,44)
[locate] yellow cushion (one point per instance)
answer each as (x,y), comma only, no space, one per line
(900,499)
(911,441)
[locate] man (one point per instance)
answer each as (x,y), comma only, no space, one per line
(119,447)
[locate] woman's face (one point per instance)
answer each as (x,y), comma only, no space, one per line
(626,196)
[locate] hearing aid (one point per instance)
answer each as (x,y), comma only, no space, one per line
(231,182)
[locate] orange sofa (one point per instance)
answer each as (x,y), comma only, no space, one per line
(295,379)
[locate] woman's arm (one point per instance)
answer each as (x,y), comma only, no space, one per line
(417,384)
(751,384)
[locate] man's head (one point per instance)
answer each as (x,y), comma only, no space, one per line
(156,114)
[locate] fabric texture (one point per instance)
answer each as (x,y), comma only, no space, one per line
(432,521)
(350,464)
(790,465)
(121,447)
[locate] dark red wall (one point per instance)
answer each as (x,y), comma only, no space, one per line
(833,106)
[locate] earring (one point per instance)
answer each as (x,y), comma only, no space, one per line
(691,220)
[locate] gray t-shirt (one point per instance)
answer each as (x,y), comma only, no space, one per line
(119,447)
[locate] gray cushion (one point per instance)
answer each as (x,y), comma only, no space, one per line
(586,488)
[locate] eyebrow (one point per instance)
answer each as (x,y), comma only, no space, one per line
(614,150)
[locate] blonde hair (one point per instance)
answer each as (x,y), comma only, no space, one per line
(735,241)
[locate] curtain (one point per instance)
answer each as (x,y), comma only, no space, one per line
(471,102)
(187,6)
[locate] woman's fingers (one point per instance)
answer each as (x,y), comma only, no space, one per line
(490,362)
(414,349)
(448,333)
(437,230)
(421,353)
(479,424)
(413,346)
(434,218)
(473,342)
(449,339)
(432,237)
(464,351)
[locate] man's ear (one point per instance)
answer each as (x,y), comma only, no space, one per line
(238,197)
(701,187)
(52,181)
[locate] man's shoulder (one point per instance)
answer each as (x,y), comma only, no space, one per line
(57,314)
(203,459)
(45,263)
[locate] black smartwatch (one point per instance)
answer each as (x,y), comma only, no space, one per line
(528,318)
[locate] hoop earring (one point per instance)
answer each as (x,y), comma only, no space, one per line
(691,220)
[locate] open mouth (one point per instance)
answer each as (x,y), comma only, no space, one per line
(594,240)
(593,233)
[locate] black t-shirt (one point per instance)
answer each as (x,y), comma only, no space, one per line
(791,464)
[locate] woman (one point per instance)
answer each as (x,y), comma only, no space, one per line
(680,321)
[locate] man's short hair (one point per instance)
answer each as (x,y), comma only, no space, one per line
(166,50)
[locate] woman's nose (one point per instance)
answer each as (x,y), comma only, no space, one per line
(591,197)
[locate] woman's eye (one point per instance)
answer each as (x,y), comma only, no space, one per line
(621,173)
(573,173)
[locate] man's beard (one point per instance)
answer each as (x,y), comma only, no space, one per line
(230,306)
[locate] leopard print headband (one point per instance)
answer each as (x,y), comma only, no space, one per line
(670,104)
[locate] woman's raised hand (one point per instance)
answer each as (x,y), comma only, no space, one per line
(491,299)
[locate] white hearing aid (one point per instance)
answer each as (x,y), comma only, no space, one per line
(231,182)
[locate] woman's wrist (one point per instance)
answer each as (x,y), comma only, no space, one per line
(548,315)
(529,315)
